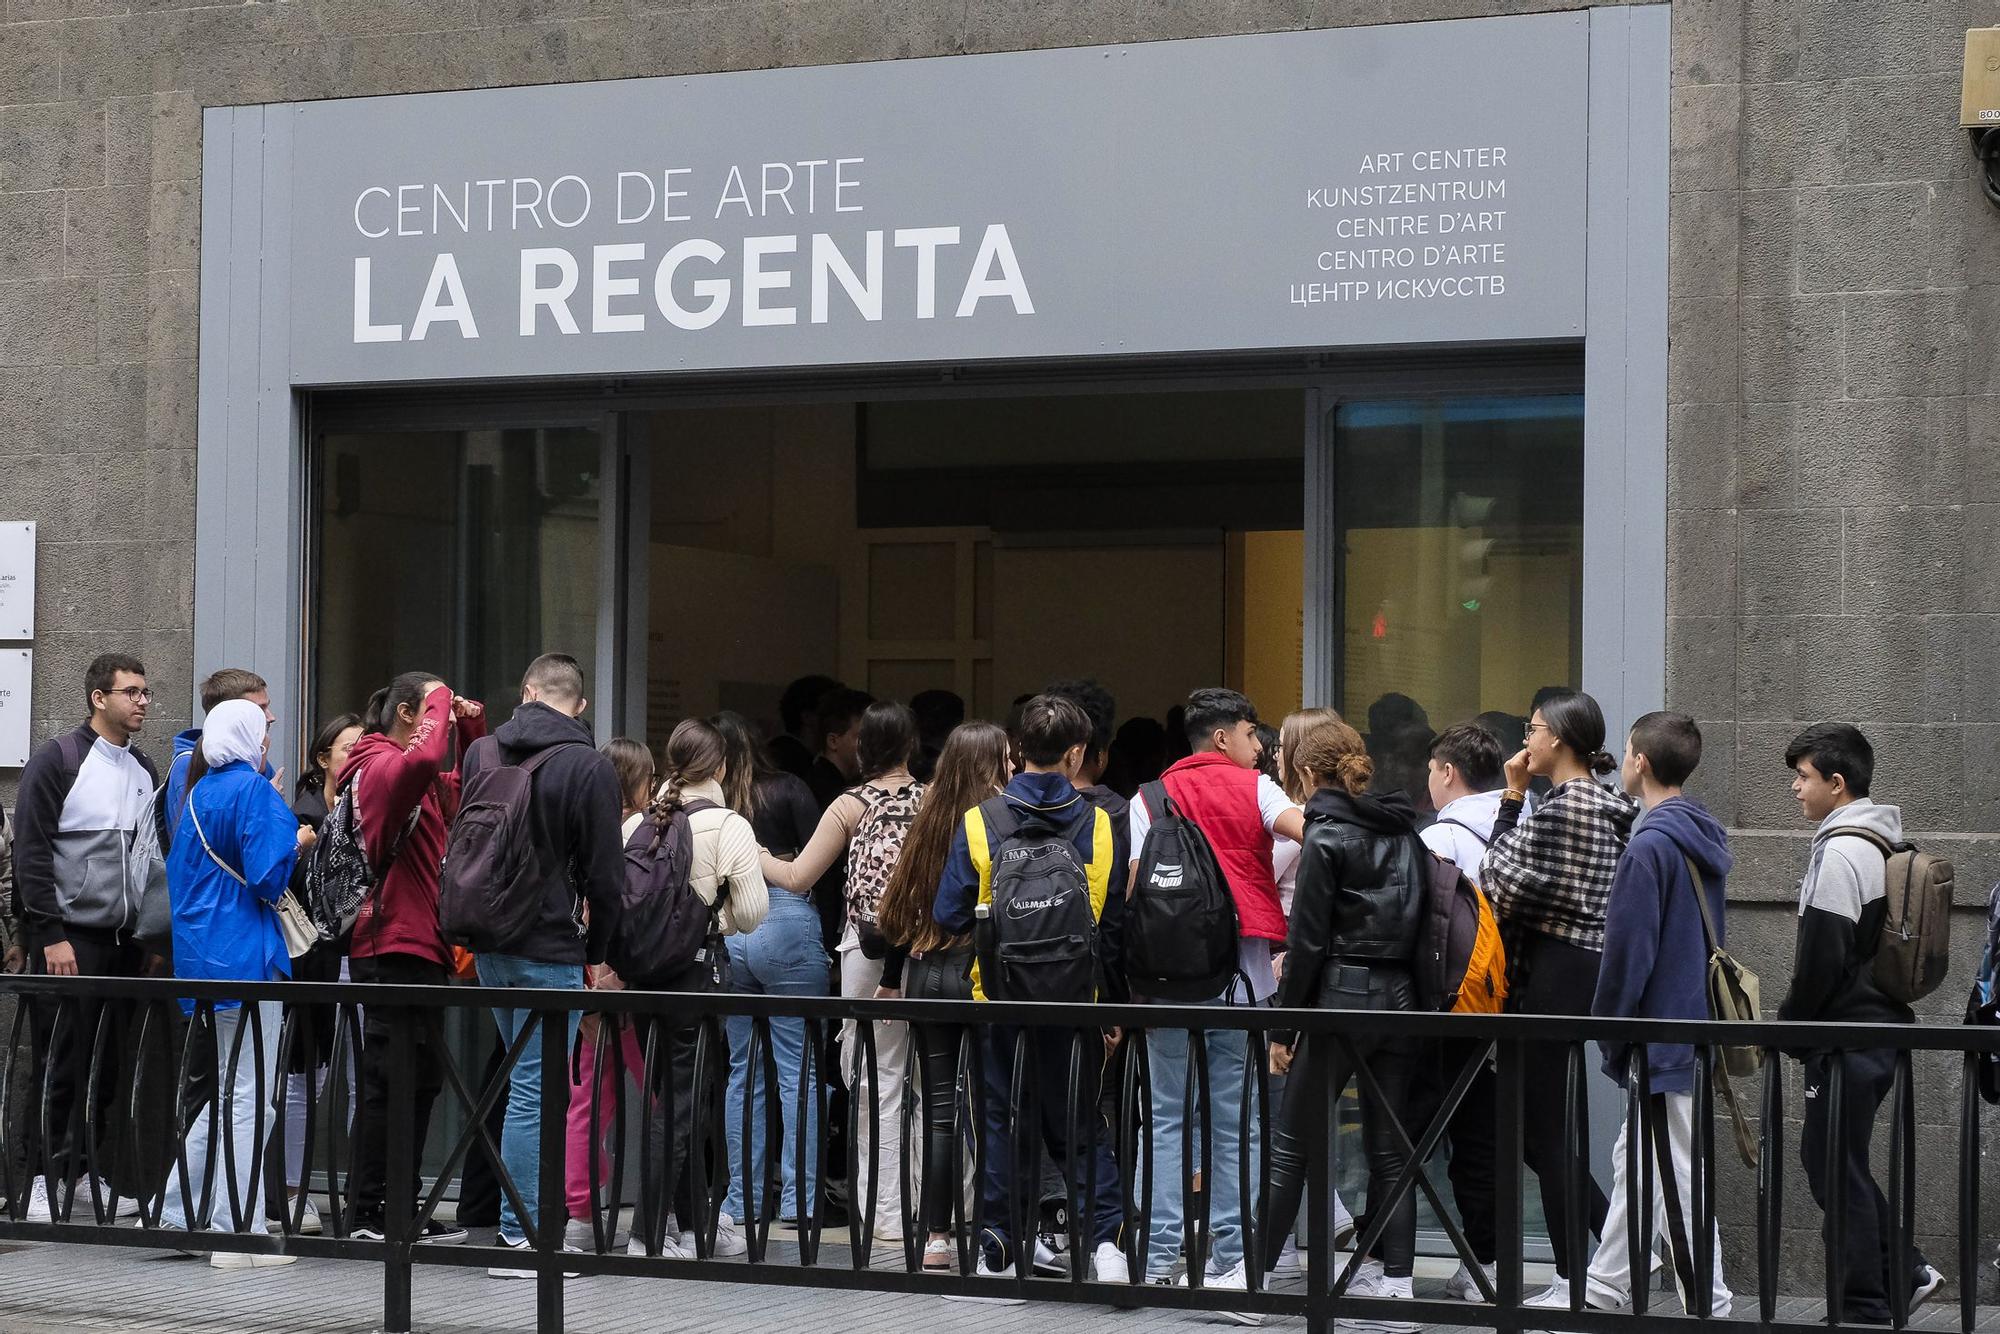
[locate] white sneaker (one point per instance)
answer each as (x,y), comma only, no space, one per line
(248,1260)
(127,1207)
(309,1222)
(673,1246)
(1462,1287)
(1235,1280)
(1553,1297)
(500,1271)
(1343,1225)
(38,1202)
(983,1272)
(729,1240)
(1291,1261)
(1929,1280)
(1370,1281)
(940,1255)
(1108,1264)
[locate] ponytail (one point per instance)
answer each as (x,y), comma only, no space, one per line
(386,703)
(695,754)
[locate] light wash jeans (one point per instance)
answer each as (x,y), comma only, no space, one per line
(247,1122)
(1228,1067)
(784,956)
(521,1136)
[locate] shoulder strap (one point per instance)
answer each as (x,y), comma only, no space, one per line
(534,762)
(696,805)
(1887,848)
(1484,841)
(1701,901)
(1159,806)
(73,748)
(208,847)
(1001,822)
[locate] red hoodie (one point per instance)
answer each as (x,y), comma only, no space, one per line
(401,917)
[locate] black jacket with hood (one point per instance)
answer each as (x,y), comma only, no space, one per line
(1362,883)
(575,817)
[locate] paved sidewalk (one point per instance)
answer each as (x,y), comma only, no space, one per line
(49,1289)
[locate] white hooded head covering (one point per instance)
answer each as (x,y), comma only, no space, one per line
(235,730)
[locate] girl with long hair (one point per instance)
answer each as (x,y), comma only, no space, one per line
(866,826)
(724,874)
(973,766)
(1549,878)
(1351,945)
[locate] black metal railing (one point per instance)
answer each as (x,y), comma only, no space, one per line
(140,1078)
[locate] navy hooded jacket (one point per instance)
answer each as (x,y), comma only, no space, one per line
(1655,955)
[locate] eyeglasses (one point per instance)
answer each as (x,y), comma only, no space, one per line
(1533,728)
(137,694)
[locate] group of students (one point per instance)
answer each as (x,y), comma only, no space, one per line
(1600,894)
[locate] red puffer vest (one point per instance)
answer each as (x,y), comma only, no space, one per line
(1220,796)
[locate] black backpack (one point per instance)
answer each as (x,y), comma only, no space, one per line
(663,926)
(1181,932)
(340,875)
(1037,940)
(490,887)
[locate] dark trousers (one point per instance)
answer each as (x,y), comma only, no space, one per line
(1055,1105)
(1469,1134)
(372,1126)
(1550,976)
(479,1186)
(937,1073)
(1320,1070)
(64,1035)
(1870,1268)
(680,1127)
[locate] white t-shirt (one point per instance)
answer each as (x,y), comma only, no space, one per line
(1253,952)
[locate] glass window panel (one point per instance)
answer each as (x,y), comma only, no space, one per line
(466,553)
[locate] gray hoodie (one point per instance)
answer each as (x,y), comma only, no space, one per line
(1841,910)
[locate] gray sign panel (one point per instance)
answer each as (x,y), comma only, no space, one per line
(1416,183)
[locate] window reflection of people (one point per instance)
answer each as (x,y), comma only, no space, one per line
(1399,743)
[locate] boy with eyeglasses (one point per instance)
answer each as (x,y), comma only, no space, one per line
(80,867)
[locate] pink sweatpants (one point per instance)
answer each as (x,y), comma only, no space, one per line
(580,1186)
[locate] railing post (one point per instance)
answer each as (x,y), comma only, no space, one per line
(550,1207)
(1320,1111)
(1508,1089)
(398,1195)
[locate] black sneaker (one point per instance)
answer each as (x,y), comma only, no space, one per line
(437,1232)
(369,1229)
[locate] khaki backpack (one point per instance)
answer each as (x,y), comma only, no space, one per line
(1733,996)
(1915,950)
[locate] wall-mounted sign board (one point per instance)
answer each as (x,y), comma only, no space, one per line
(17,674)
(17,580)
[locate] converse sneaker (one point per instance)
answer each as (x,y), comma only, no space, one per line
(1108,1264)
(1371,1281)
(1048,1260)
(1237,1280)
(1462,1287)
(1553,1297)
(729,1241)
(984,1272)
(509,1243)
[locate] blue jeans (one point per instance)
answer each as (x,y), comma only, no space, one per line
(521,1137)
(784,956)
(1228,1069)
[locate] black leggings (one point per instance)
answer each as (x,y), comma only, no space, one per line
(1550,976)
(1319,1072)
(937,1071)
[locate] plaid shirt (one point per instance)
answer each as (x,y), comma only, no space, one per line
(1552,872)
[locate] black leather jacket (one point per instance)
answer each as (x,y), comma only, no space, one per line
(1362,886)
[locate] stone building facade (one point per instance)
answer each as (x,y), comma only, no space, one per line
(1834,318)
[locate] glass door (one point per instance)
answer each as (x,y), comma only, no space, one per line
(466,552)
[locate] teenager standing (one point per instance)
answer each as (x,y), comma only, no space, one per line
(1549,878)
